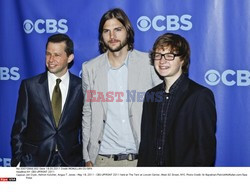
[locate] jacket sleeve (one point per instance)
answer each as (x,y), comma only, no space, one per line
(142,146)
(20,124)
(205,123)
(86,120)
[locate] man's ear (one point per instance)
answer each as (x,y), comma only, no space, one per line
(70,58)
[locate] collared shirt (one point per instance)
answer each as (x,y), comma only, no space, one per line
(118,137)
(64,85)
(163,110)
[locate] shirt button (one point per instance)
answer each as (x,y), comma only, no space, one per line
(159,148)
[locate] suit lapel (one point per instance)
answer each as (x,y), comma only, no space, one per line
(133,74)
(72,93)
(180,97)
(44,95)
(100,82)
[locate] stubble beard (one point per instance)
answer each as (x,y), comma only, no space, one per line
(116,49)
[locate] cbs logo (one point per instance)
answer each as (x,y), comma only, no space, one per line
(9,73)
(228,77)
(45,26)
(161,23)
(5,162)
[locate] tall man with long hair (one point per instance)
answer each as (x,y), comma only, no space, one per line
(113,84)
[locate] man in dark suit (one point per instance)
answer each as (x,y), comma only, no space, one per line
(47,126)
(179,116)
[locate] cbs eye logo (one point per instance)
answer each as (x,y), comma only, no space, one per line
(144,23)
(212,77)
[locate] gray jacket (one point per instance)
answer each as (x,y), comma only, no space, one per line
(141,77)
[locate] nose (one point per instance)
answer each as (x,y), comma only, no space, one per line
(112,34)
(163,60)
(51,58)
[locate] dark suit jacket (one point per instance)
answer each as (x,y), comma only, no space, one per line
(191,126)
(34,133)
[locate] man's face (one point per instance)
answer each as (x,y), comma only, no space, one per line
(168,68)
(56,58)
(114,35)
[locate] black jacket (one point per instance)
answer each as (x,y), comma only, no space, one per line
(191,126)
(34,133)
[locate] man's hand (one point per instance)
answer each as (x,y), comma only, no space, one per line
(89,164)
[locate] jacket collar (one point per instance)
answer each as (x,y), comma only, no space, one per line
(45,98)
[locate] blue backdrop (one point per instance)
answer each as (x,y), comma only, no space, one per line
(218,32)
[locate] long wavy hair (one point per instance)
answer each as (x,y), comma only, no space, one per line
(120,15)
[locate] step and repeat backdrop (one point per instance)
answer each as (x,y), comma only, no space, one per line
(217,30)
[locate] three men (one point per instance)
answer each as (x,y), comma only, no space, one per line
(177,127)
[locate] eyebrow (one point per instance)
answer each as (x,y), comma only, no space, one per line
(114,28)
